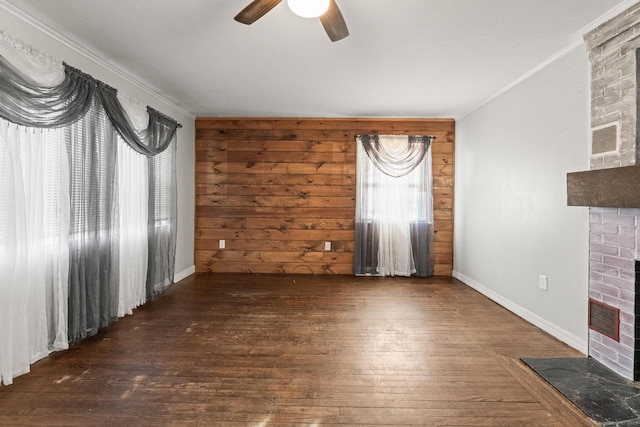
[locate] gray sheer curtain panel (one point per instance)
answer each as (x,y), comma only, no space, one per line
(162,225)
(93,242)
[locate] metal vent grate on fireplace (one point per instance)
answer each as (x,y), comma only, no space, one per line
(605,319)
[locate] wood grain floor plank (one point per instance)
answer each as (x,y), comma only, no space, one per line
(282,350)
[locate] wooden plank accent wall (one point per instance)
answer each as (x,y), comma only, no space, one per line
(277,189)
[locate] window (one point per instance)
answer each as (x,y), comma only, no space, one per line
(394,213)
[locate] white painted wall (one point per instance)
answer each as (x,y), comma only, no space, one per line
(512,222)
(29,31)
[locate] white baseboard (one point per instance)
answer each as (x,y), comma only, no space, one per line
(184,274)
(534,319)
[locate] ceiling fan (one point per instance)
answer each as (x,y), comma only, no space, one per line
(329,14)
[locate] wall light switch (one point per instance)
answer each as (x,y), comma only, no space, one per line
(327,246)
(543,282)
(221,244)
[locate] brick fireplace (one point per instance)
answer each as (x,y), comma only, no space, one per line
(615,230)
(612,281)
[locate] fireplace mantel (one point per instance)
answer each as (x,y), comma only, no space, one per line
(612,188)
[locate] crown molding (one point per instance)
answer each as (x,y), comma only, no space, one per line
(606,17)
(577,42)
(70,44)
(525,76)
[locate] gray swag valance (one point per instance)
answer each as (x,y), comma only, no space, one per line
(28,104)
(399,158)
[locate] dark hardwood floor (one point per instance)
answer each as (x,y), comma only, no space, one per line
(272,350)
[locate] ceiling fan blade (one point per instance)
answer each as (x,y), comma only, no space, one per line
(333,23)
(255,10)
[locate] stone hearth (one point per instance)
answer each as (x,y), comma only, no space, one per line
(606,397)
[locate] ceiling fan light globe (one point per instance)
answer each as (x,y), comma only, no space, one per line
(308,8)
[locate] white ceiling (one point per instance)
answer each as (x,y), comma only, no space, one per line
(404,58)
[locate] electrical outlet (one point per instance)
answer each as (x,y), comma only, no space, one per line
(327,246)
(221,244)
(543,282)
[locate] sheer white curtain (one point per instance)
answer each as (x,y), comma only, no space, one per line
(394,210)
(133,193)
(34,228)
(34,246)
(133,215)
